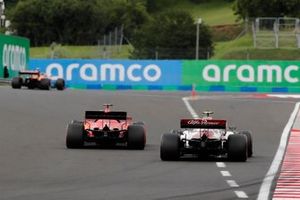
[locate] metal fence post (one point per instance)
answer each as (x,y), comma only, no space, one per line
(110,43)
(254,35)
(199,21)
(297,24)
(208,53)
(2,16)
(276,32)
(121,37)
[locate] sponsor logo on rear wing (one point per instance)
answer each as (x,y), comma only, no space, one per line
(203,123)
(105,115)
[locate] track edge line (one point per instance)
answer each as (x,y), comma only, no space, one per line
(264,190)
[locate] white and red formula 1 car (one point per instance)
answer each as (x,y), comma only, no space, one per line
(206,137)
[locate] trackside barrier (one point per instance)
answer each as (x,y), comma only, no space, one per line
(186,75)
(14,53)
(4,81)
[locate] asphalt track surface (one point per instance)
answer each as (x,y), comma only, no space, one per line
(35,164)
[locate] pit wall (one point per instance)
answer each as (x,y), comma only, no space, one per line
(14,53)
(204,75)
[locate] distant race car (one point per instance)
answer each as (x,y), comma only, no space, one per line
(205,137)
(35,79)
(106,128)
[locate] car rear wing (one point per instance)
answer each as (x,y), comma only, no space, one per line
(29,72)
(105,115)
(203,123)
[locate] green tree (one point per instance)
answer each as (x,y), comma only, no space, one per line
(10,3)
(271,8)
(75,21)
(198,1)
(68,21)
(130,14)
(29,26)
(292,8)
(157,5)
(172,34)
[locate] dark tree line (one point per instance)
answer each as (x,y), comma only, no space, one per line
(171,34)
(269,8)
(79,22)
(146,25)
(74,21)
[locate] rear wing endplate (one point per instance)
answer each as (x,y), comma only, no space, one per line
(105,115)
(203,123)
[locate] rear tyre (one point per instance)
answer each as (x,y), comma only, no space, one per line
(74,137)
(16,82)
(136,137)
(45,84)
(249,142)
(169,147)
(237,147)
(60,84)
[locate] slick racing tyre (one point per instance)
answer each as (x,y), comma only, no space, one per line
(16,82)
(60,84)
(169,147)
(74,137)
(237,147)
(249,142)
(45,84)
(136,137)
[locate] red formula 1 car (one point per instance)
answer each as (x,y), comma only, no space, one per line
(35,79)
(205,137)
(106,128)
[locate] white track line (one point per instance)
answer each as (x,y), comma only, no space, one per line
(221,164)
(241,194)
(267,182)
(189,107)
(232,183)
(295,96)
(225,173)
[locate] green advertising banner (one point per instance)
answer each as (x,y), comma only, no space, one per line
(236,75)
(14,53)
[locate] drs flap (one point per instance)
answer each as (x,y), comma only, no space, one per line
(105,115)
(28,72)
(203,123)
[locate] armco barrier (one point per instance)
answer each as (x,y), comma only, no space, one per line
(14,53)
(211,75)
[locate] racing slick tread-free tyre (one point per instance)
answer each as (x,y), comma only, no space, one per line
(75,135)
(249,142)
(169,147)
(60,84)
(16,82)
(136,137)
(237,147)
(45,84)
